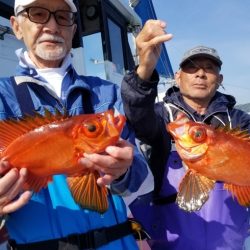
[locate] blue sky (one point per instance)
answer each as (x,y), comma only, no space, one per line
(223,25)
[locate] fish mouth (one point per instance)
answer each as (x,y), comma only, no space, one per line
(115,124)
(193,153)
(119,121)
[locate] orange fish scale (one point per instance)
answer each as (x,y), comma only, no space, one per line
(216,154)
(52,144)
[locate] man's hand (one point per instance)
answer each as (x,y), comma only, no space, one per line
(111,165)
(11,184)
(148,43)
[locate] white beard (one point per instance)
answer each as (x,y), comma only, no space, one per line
(57,54)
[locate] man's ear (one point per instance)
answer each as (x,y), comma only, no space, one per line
(219,82)
(221,79)
(177,77)
(16,27)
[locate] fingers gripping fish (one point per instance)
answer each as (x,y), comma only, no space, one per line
(52,144)
(211,155)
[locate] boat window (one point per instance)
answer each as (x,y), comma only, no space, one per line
(8,45)
(93,55)
(116,46)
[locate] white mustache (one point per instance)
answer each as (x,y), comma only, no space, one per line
(52,38)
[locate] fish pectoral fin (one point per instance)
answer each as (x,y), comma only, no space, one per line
(193,191)
(242,193)
(87,193)
(36,183)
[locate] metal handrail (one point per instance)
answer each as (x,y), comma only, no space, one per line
(5,30)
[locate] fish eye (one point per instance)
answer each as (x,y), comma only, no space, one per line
(198,134)
(92,128)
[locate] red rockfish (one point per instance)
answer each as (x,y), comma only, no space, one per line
(52,144)
(211,155)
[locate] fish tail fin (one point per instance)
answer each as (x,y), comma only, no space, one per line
(87,193)
(193,191)
(36,183)
(242,193)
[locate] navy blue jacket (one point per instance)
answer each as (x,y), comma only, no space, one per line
(149,118)
(221,223)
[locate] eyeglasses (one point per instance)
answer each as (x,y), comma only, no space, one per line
(192,67)
(42,16)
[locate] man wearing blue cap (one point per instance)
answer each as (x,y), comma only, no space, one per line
(46,80)
(221,223)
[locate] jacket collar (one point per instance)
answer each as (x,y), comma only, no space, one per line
(27,72)
(27,67)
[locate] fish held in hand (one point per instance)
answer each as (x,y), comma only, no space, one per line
(52,144)
(211,155)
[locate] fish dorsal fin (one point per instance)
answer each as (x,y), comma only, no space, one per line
(237,132)
(242,193)
(193,191)
(12,129)
(87,193)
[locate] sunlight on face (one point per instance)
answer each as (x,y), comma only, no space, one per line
(47,43)
(199,79)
